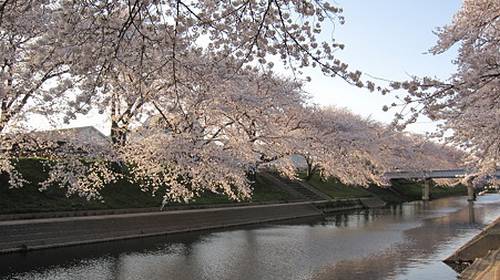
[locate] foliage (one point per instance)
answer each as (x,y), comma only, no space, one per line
(119,195)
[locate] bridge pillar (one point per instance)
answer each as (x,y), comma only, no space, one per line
(427,190)
(471,194)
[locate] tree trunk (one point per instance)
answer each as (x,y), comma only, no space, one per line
(4,119)
(310,169)
(118,134)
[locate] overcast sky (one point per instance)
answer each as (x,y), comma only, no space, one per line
(385,38)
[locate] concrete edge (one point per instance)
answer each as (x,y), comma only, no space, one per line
(481,266)
(117,211)
(145,235)
(342,209)
(454,256)
(142,214)
(372,202)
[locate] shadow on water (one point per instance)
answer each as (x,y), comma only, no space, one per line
(39,260)
(406,241)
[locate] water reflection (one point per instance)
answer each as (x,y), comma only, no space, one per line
(472,215)
(406,241)
(418,257)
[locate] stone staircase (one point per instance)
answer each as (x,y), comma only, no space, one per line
(297,189)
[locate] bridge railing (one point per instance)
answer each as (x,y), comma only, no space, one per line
(436,174)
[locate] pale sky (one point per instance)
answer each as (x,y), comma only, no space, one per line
(385,38)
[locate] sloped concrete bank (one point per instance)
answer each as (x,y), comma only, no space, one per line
(485,268)
(480,255)
(25,235)
(99,212)
(337,205)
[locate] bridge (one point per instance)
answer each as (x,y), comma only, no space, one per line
(427,175)
(432,174)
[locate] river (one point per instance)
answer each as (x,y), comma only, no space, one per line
(407,241)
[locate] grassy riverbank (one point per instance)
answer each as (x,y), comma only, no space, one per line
(335,189)
(400,191)
(123,194)
(116,196)
(119,195)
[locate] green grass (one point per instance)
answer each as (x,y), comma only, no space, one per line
(123,194)
(412,190)
(335,189)
(119,195)
(405,190)
(401,190)
(29,199)
(264,191)
(444,191)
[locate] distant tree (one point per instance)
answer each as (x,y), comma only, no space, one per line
(407,151)
(337,143)
(358,151)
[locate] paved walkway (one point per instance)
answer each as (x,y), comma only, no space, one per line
(22,235)
(97,212)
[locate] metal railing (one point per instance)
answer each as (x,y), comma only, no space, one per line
(435,174)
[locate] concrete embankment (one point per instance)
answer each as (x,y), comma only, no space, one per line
(480,257)
(485,268)
(22,235)
(100,212)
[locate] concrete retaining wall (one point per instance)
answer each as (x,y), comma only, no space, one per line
(372,202)
(23,235)
(97,212)
(478,247)
(486,268)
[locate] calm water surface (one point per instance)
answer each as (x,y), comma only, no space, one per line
(406,241)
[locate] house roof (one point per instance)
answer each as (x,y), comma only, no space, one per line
(82,135)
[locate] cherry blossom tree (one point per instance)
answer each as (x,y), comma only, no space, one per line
(468,102)
(33,67)
(33,71)
(129,52)
(358,151)
(236,125)
(80,167)
(406,151)
(217,135)
(338,143)
(189,89)
(14,37)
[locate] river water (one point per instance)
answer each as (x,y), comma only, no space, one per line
(407,241)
